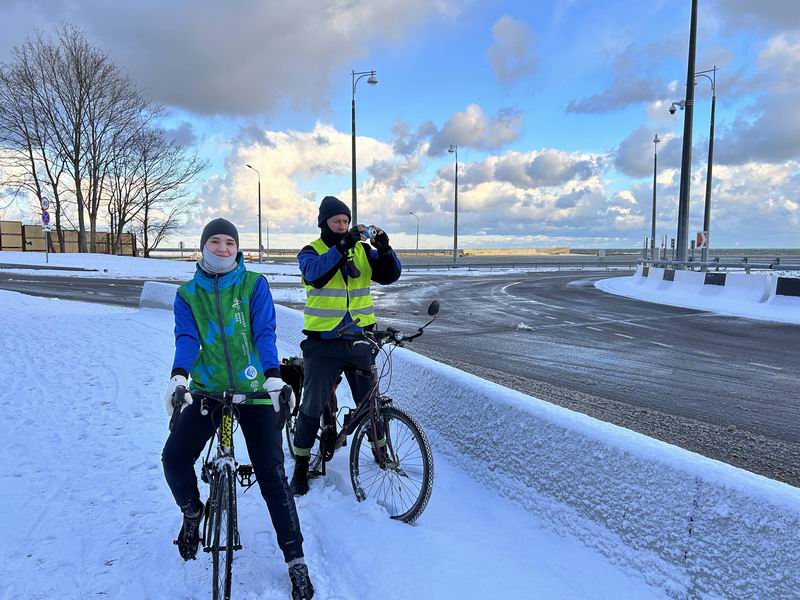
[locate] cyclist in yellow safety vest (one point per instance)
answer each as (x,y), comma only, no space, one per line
(337,269)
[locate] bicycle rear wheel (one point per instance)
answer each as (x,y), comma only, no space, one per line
(223,532)
(315,458)
(398,474)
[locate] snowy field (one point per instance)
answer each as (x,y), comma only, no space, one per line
(88,514)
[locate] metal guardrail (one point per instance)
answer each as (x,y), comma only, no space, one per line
(745,263)
(520,263)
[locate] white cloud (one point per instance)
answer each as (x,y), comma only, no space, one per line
(289,162)
(512,53)
(471,128)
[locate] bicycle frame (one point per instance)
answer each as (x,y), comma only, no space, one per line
(224,456)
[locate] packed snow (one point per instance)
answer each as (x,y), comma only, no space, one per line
(88,514)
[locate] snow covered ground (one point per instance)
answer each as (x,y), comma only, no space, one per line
(88,514)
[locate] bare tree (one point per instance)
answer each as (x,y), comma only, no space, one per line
(33,159)
(167,172)
(78,129)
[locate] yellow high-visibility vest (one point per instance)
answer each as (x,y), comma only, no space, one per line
(327,306)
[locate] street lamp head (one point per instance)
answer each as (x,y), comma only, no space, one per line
(372,80)
(452,148)
(656,139)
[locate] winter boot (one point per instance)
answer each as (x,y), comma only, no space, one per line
(189,535)
(301,583)
(299,483)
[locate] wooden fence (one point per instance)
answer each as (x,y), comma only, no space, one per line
(31,238)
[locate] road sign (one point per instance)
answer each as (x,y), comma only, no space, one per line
(702,239)
(47,228)
(45,203)
(45,217)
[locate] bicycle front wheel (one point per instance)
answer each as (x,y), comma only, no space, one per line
(397,470)
(223,519)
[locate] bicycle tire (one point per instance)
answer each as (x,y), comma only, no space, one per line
(223,519)
(403,485)
(315,458)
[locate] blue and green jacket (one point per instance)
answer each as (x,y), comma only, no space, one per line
(225,332)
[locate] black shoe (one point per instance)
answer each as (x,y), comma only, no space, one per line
(301,584)
(189,535)
(299,483)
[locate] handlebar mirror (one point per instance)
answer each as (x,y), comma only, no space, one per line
(433,309)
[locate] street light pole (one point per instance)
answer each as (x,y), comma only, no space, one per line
(682,104)
(372,80)
(259,211)
(411,212)
(454,148)
(653,221)
(707,207)
(686,155)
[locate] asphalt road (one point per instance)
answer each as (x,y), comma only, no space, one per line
(121,292)
(725,387)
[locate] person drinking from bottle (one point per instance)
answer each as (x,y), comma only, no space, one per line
(337,269)
(225,340)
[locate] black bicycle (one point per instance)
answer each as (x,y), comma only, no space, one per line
(220,519)
(390,457)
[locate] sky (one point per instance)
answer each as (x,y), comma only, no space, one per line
(553,106)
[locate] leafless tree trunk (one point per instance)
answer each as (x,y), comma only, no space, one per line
(167,172)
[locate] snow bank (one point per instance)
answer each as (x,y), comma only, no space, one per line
(692,526)
(756,295)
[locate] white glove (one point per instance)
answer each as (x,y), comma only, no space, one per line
(173,384)
(273,386)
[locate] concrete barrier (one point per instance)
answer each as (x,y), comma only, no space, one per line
(755,287)
(156,294)
(785,292)
(689,278)
(695,527)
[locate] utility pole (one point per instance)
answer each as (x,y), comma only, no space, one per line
(686,155)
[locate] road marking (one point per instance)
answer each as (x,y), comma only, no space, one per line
(570,322)
(505,287)
(593,328)
(704,353)
(755,364)
(528,301)
(661,344)
(630,337)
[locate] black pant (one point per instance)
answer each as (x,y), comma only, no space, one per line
(258,422)
(324,361)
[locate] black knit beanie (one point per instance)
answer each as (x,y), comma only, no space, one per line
(219,226)
(329,207)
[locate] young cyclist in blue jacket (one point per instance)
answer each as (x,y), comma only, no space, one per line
(225,339)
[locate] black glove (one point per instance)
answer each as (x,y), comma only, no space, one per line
(381,243)
(349,240)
